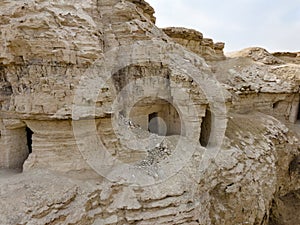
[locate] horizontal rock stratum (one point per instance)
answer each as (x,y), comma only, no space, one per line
(107,119)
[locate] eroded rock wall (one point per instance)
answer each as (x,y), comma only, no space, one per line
(70,71)
(246,166)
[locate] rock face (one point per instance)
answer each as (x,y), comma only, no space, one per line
(194,41)
(114,121)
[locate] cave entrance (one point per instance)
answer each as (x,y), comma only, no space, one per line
(294,114)
(17,145)
(29,134)
(153,123)
(205,128)
(157,116)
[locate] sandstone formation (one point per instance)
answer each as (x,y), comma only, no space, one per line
(107,119)
(194,41)
(292,57)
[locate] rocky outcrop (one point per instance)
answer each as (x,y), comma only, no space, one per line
(262,82)
(61,33)
(85,198)
(289,57)
(268,83)
(146,8)
(194,41)
(115,121)
(258,54)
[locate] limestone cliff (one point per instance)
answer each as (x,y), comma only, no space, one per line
(107,119)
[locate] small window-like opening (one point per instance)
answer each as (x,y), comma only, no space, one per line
(29,139)
(156,116)
(276,104)
(205,129)
(153,123)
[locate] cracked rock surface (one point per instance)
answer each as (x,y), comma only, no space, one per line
(79,84)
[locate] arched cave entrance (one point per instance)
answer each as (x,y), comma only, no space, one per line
(205,128)
(156,116)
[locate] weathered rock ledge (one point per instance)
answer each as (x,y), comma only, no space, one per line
(194,41)
(107,119)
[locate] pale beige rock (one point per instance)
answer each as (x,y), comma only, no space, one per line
(194,41)
(257,54)
(292,57)
(80,84)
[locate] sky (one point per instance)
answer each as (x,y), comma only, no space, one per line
(271,24)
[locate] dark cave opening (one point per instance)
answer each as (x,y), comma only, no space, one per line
(153,123)
(29,134)
(205,129)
